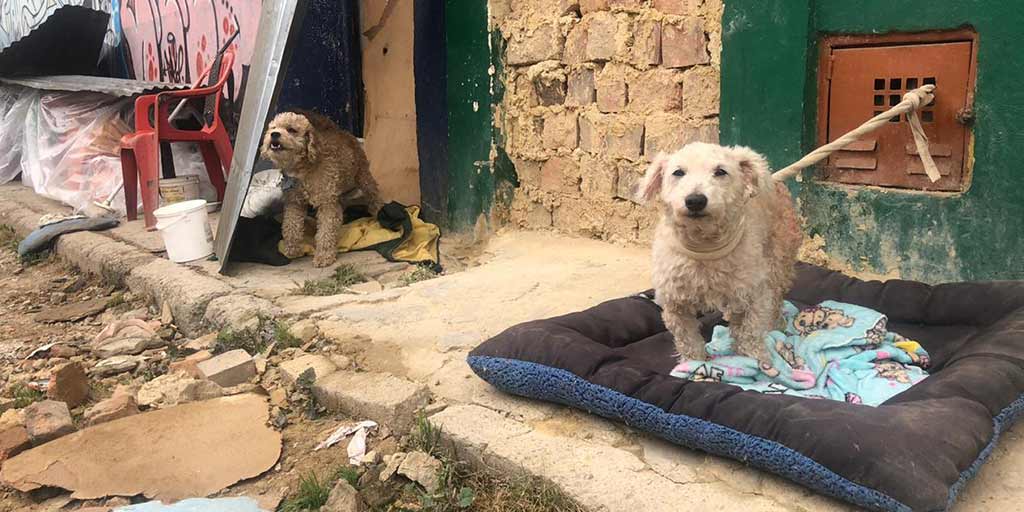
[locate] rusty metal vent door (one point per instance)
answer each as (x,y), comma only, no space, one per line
(866,75)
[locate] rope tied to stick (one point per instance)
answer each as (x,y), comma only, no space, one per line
(911,104)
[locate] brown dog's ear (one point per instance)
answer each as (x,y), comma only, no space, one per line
(650,185)
(754,167)
(312,149)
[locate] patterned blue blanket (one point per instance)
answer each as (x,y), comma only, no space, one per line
(833,350)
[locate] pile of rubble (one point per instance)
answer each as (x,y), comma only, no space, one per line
(120,415)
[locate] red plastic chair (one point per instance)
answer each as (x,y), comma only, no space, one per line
(140,151)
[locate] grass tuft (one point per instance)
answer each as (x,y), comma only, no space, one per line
(256,339)
(24,396)
(462,488)
(9,240)
(312,495)
(347,473)
(343,277)
(420,274)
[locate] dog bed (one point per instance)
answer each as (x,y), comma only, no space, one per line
(915,451)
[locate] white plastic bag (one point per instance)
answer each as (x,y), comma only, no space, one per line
(265,196)
(71,147)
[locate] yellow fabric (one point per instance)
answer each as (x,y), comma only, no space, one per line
(908,346)
(367,232)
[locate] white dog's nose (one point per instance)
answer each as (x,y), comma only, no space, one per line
(696,202)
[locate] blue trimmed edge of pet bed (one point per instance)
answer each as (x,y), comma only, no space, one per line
(537,381)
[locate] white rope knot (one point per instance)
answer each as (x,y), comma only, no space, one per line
(912,102)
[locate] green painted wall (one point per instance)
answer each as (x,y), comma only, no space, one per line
(769,102)
(475,181)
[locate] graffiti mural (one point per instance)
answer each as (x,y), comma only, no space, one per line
(175,40)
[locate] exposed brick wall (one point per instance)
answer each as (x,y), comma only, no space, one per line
(593,90)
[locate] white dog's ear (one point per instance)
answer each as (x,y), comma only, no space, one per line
(650,185)
(312,151)
(754,167)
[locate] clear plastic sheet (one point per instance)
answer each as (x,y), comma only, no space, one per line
(14,104)
(67,146)
(71,147)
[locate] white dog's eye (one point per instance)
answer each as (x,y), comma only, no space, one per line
(720,172)
(679,173)
(292,131)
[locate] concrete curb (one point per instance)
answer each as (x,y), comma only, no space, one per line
(187,291)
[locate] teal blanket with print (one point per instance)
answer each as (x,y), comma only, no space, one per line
(833,350)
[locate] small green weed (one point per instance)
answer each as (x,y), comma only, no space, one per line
(343,277)
(462,489)
(256,339)
(117,299)
(312,495)
(314,492)
(24,396)
(425,437)
(8,238)
(348,473)
(420,274)
(284,336)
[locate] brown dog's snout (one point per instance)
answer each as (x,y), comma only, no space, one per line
(275,136)
(696,202)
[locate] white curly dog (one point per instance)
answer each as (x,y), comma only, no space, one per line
(727,241)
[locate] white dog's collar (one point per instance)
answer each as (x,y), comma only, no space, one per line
(716,250)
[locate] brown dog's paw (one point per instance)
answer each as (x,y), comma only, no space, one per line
(322,259)
(292,251)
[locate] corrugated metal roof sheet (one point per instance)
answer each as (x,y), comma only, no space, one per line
(112,86)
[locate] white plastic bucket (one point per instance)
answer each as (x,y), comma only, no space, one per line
(185,228)
(181,189)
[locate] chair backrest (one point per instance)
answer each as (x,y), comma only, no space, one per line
(221,71)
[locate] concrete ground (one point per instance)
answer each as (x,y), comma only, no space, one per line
(420,335)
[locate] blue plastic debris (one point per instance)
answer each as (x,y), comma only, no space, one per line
(197,505)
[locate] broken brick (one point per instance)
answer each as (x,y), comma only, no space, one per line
(69,384)
(230,368)
(47,420)
(190,365)
(13,440)
(121,405)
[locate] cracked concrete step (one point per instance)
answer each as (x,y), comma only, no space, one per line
(292,369)
(598,476)
(380,397)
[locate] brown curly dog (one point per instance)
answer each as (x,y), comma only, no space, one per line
(327,163)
